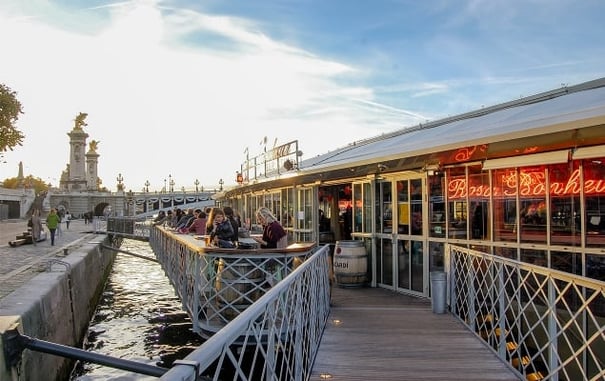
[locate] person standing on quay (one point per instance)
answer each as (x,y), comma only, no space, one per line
(52,221)
(59,232)
(67,219)
(36,226)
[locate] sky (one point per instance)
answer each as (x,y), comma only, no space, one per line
(182,89)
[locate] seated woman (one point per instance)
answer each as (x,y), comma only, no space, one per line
(222,231)
(198,226)
(274,235)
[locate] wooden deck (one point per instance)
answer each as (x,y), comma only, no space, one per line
(383,335)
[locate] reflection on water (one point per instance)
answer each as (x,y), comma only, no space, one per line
(139,318)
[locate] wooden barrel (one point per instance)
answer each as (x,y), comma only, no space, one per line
(237,286)
(350,263)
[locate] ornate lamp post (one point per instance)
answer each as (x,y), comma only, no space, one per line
(120,179)
(147,186)
(220,183)
(130,207)
(171,183)
(164,189)
(196,183)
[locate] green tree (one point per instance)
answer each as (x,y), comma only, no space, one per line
(10,108)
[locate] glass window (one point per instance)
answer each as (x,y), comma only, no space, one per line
(568,262)
(457,203)
(384,209)
(304,215)
(417,258)
(534,257)
(564,205)
(436,205)
(357,208)
(287,212)
(532,204)
(478,193)
(416,206)
(385,261)
(595,267)
(367,207)
(362,207)
(504,191)
(436,259)
(404,263)
(403,207)
(506,252)
(594,193)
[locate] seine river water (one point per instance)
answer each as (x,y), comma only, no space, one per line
(139,318)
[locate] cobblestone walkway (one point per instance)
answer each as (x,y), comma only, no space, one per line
(20,264)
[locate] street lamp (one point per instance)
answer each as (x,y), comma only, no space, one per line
(164,189)
(220,183)
(171,183)
(196,183)
(147,186)
(120,179)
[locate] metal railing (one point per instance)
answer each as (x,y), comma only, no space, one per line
(216,287)
(546,324)
(138,228)
(275,338)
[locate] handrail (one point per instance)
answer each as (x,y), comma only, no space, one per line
(214,284)
(138,228)
(275,338)
(546,323)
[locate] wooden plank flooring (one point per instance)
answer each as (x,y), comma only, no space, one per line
(383,335)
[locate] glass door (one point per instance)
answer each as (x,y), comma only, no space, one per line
(384,230)
(411,230)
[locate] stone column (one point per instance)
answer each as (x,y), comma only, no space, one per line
(92,160)
(77,165)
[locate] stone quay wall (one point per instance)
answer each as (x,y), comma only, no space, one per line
(56,306)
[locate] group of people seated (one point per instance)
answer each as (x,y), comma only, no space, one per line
(222,225)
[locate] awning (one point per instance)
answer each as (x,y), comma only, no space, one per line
(555,157)
(589,152)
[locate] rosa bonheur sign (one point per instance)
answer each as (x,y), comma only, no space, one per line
(530,183)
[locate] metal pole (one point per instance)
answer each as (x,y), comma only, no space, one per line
(80,354)
(130,253)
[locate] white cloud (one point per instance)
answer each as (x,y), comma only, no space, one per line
(160,106)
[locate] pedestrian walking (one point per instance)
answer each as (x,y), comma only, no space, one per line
(52,221)
(59,230)
(67,219)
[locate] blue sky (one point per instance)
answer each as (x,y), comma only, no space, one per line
(182,88)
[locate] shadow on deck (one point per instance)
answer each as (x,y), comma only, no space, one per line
(377,334)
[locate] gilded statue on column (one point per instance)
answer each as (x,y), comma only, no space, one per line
(80,121)
(92,146)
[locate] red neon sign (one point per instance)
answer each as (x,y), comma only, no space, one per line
(530,184)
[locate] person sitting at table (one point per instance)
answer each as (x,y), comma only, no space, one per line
(185,220)
(274,235)
(222,231)
(199,223)
(230,214)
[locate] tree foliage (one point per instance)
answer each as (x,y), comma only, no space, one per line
(28,182)
(10,108)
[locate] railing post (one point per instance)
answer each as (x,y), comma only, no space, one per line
(552,330)
(501,310)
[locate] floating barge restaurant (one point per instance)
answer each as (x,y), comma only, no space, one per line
(523,179)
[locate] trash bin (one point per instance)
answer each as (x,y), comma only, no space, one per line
(438,291)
